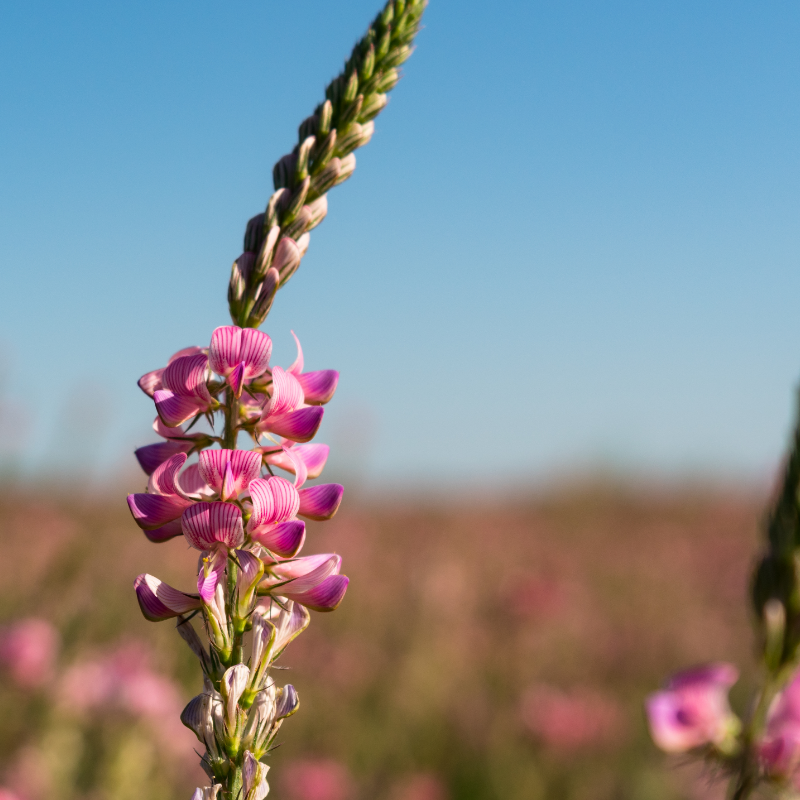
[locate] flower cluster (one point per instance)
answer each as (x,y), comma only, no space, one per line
(247,525)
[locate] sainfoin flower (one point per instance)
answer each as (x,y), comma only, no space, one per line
(239,355)
(28,650)
(779,748)
(692,710)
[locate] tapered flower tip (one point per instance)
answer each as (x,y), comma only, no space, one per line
(151,455)
(232,347)
(326,596)
(318,387)
(175,409)
(166,532)
(151,511)
(163,479)
(320,502)
(229,472)
(288,702)
(297,426)
(274,500)
(159,601)
(151,381)
(285,539)
(206,525)
(313,457)
(254,778)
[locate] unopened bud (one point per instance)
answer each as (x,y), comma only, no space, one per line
(323,150)
(287,256)
(326,179)
(264,633)
(387,15)
(265,295)
(260,720)
(250,571)
(303,153)
(254,233)
(195,715)
(299,225)
(283,171)
(348,139)
(264,260)
(399,8)
(236,288)
(774,630)
(276,203)
(388,80)
(325,114)
(351,89)
(367,65)
(397,56)
(367,129)
(302,245)
(296,201)
(308,127)
(254,778)
(350,112)
(384,43)
(348,165)
(287,702)
(373,105)
(318,210)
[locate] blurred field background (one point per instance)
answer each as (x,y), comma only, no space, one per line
(486,649)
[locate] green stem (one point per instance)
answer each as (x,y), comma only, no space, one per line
(231,414)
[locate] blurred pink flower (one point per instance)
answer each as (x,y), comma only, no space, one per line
(318,779)
(779,750)
(28,650)
(7,794)
(420,786)
(570,720)
(692,710)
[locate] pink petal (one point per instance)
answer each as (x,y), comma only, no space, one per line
(256,352)
(151,455)
(297,426)
(186,351)
(190,482)
(287,256)
(162,481)
(207,583)
(236,379)
(154,510)
(187,376)
(287,394)
(160,601)
(274,500)
(298,466)
(284,539)
(320,502)
(223,355)
(310,569)
(176,409)
(251,570)
(313,456)
(151,381)
(297,366)
(207,524)
(318,387)
(165,532)
(288,702)
(326,596)
(245,466)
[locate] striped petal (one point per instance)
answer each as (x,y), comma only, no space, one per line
(151,381)
(154,510)
(320,502)
(284,538)
(312,570)
(297,426)
(287,394)
(313,457)
(207,524)
(231,345)
(256,352)
(274,500)
(210,574)
(175,409)
(243,466)
(159,601)
(288,702)
(187,376)
(190,484)
(290,620)
(151,455)
(318,387)
(326,596)
(162,481)
(165,532)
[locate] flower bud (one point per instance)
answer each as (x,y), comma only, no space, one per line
(325,114)
(296,201)
(326,179)
(254,233)
(264,633)
(287,257)
(254,778)
(387,81)
(250,571)
(397,57)
(265,254)
(367,129)
(283,171)
(196,715)
(373,105)
(318,211)
(265,295)
(299,224)
(233,683)
(260,721)
(323,151)
(287,702)
(236,289)
(351,112)
(367,65)
(349,138)
(308,127)
(303,153)
(351,88)
(384,43)
(348,165)
(276,203)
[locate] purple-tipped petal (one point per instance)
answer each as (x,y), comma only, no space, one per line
(236,379)
(151,455)
(206,525)
(318,387)
(175,409)
(287,703)
(186,376)
(326,596)
(151,381)
(159,601)
(210,574)
(313,456)
(308,571)
(297,366)
(274,500)
(154,510)
(287,394)
(297,426)
(245,466)
(284,539)
(166,532)
(162,481)
(250,571)
(320,502)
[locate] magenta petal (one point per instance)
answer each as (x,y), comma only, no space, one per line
(320,502)
(245,466)
(175,409)
(186,376)
(311,570)
(284,539)
(297,366)
(314,457)
(297,426)
(207,583)
(287,394)
(223,355)
(154,510)
(151,455)
(274,500)
(151,381)
(162,481)
(207,524)
(326,596)
(160,601)
(191,481)
(165,532)
(255,353)
(318,387)
(236,379)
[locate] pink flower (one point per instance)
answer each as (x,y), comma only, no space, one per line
(159,601)
(692,710)
(158,511)
(779,750)
(312,581)
(273,523)
(239,355)
(229,472)
(318,387)
(152,381)
(305,461)
(320,502)
(28,650)
(177,441)
(285,413)
(185,393)
(320,779)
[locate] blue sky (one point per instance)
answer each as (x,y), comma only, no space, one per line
(572,242)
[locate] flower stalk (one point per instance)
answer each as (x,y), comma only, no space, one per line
(254,591)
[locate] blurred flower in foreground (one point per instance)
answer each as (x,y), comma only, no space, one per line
(318,779)
(779,750)
(570,720)
(420,786)
(693,710)
(28,650)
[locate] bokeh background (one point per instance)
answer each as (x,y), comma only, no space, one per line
(561,291)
